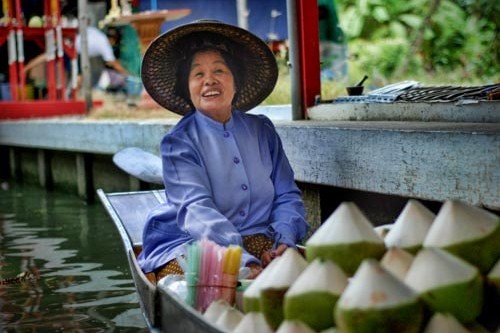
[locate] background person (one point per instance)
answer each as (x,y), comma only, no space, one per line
(101,57)
(226,175)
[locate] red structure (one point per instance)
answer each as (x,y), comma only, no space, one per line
(308,52)
(55,41)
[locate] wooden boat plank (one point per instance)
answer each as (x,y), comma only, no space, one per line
(148,294)
(129,218)
(130,210)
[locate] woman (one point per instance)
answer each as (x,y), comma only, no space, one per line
(225,172)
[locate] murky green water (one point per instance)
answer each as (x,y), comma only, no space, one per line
(83,281)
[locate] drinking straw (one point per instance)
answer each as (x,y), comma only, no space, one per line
(191,275)
(230,271)
(232,260)
(211,272)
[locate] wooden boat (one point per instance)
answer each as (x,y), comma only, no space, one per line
(163,310)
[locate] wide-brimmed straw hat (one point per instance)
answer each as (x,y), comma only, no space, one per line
(160,66)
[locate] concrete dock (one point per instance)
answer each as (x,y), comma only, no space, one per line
(378,163)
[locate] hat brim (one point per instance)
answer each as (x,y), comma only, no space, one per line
(160,61)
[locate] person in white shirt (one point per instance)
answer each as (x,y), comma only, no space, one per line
(101,57)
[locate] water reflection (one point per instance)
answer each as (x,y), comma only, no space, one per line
(82,276)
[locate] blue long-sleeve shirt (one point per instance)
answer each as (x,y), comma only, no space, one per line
(222,182)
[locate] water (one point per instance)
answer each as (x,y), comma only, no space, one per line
(83,282)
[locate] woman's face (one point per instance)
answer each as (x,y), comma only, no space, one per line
(211,85)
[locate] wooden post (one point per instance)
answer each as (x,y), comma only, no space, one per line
(84,175)
(303,34)
(83,20)
(16,171)
(45,170)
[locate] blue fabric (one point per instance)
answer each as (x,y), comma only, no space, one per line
(223,182)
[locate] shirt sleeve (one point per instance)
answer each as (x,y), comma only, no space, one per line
(106,50)
(288,224)
(189,189)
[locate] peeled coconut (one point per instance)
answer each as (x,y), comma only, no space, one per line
(397,261)
(346,238)
(251,295)
(294,326)
(410,228)
(447,283)
(469,232)
(280,277)
(444,323)
(215,309)
(229,319)
(383,230)
(312,297)
(253,322)
(375,301)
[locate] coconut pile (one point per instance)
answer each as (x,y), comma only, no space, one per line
(424,273)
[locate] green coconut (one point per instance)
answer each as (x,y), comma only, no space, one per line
(469,232)
(277,282)
(410,228)
(347,238)
(251,295)
(375,301)
(229,319)
(294,326)
(493,276)
(397,261)
(331,330)
(490,315)
(312,297)
(444,323)
(253,322)
(447,283)
(215,309)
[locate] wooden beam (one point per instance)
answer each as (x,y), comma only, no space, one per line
(85,178)
(45,170)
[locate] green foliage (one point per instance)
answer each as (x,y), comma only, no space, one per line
(408,39)
(382,57)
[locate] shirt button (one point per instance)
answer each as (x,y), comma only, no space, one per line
(226,134)
(242,213)
(244,187)
(236,160)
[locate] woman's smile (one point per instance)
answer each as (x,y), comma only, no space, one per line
(211,85)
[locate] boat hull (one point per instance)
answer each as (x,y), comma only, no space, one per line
(162,309)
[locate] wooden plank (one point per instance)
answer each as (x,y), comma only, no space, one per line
(45,170)
(84,176)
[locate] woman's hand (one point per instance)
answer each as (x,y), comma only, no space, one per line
(268,256)
(255,270)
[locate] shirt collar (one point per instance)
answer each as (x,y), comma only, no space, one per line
(207,121)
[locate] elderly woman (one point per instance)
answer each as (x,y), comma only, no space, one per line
(226,175)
